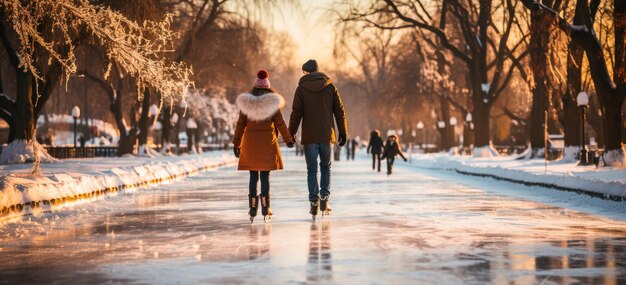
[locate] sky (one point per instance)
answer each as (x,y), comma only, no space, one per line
(311,28)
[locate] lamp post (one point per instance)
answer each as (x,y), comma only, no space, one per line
(420,128)
(174,119)
(441,125)
(191,130)
(453,122)
(75,115)
(583,101)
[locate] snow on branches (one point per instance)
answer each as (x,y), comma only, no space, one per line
(136,49)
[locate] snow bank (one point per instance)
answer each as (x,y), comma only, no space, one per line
(485,151)
(73,180)
(605,183)
(21,151)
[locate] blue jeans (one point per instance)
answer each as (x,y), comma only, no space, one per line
(311,153)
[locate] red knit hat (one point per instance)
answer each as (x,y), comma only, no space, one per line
(263,79)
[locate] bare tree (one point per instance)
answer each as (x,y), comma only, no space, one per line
(47,29)
(487,47)
(610,88)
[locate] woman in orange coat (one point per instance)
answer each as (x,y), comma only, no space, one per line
(256,139)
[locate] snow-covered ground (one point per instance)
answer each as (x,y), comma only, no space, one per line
(605,182)
(78,180)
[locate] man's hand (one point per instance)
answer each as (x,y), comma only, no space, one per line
(404,159)
(342,139)
(291,143)
(236,151)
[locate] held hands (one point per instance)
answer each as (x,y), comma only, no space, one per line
(342,139)
(237,151)
(291,143)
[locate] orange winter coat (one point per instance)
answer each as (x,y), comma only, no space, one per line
(257,130)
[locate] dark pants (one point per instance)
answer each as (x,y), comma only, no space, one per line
(311,153)
(265,182)
(375,157)
(390,161)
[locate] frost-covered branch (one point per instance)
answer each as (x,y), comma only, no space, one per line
(139,49)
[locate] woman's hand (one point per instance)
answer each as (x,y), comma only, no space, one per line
(291,143)
(237,151)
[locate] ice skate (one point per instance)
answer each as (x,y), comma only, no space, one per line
(253,205)
(265,208)
(314,209)
(324,206)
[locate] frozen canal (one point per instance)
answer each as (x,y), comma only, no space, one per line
(417,226)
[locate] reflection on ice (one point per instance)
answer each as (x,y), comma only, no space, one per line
(259,243)
(320,262)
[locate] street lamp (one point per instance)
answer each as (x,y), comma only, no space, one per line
(469,119)
(453,122)
(174,119)
(442,125)
(153,112)
(191,130)
(583,101)
(420,127)
(75,115)
(154,109)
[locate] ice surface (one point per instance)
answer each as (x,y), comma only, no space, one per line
(417,226)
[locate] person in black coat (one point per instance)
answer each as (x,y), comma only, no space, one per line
(353,146)
(375,147)
(392,149)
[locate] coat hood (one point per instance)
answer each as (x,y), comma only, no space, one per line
(315,81)
(259,108)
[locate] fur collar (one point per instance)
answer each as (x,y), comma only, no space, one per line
(259,108)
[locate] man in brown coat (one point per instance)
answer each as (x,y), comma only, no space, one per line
(318,106)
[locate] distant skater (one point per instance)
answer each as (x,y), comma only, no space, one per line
(354,144)
(375,147)
(392,149)
(256,140)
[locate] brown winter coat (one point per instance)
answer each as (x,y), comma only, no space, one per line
(257,130)
(318,105)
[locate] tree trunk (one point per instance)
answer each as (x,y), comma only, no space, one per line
(613,123)
(571,121)
(166,128)
(446,132)
(482,131)
(127,139)
(24,121)
(596,120)
(144,122)
(540,28)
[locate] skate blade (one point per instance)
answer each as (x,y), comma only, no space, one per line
(313,217)
(251,220)
(267,219)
